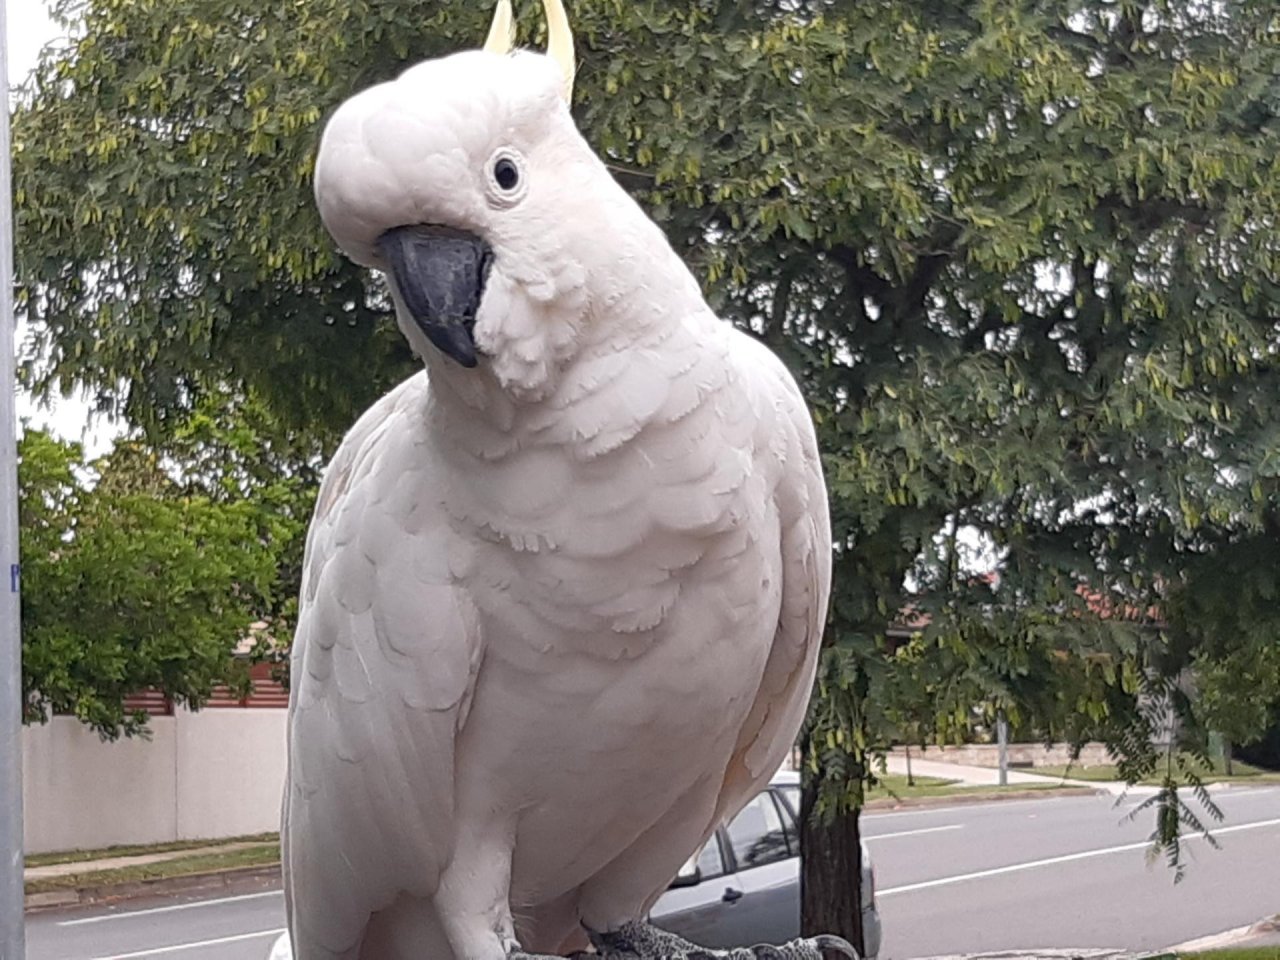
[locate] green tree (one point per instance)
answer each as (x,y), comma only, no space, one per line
(1022,256)
(1226,619)
(907,699)
(131,583)
(231,448)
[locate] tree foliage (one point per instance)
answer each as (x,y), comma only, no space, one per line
(1023,257)
(132,582)
(232,449)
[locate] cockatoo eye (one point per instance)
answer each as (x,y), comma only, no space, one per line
(507,181)
(506,174)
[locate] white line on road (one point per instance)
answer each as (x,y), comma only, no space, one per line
(156,951)
(177,906)
(1066,858)
(912,833)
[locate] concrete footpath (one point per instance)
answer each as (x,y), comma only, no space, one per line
(990,776)
(1264,933)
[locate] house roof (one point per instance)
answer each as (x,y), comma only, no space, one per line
(911,619)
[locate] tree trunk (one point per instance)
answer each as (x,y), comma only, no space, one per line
(911,781)
(830,872)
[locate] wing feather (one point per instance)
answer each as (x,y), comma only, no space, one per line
(788,461)
(385,656)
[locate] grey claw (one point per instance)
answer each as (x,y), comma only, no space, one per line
(640,941)
(827,941)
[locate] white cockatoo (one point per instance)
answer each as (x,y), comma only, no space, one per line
(564,589)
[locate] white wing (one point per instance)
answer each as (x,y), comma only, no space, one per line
(384,660)
(787,452)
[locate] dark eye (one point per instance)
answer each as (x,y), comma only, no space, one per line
(506,173)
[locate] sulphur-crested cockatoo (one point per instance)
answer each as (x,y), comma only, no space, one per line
(564,589)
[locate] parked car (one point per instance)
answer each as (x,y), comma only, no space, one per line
(743,886)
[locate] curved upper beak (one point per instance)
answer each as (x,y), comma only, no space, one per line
(440,273)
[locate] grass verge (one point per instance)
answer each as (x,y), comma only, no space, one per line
(1241,773)
(1237,953)
(136,850)
(262,855)
(895,787)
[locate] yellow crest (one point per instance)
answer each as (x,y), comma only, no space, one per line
(502,37)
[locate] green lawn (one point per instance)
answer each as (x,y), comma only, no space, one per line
(74,856)
(1241,772)
(894,787)
(1238,953)
(263,855)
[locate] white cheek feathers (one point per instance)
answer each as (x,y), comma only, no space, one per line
(530,322)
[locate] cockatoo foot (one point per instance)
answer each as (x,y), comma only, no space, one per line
(641,941)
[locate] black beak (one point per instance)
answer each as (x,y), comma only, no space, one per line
(440,273)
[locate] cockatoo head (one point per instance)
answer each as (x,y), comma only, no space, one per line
(467,183)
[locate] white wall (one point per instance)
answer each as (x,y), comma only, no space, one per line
(216,773)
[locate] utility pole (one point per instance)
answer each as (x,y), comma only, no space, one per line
(1002,738)
(12,937)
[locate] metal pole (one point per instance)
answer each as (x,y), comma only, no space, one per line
(1002,738)
(12,938)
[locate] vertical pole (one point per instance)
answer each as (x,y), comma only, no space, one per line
(1002,738)
(12,938)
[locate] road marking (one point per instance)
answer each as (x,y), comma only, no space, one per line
(177,906)
(1051,861)
(913,833)
(156,951)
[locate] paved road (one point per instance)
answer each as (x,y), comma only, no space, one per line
(1064,872)
(1069,873)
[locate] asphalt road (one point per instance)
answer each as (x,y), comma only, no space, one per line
(1066,872)
(1069,872)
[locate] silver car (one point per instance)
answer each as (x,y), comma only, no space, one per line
(743,887)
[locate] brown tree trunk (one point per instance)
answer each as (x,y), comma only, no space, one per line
(830,872)
(911,781)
